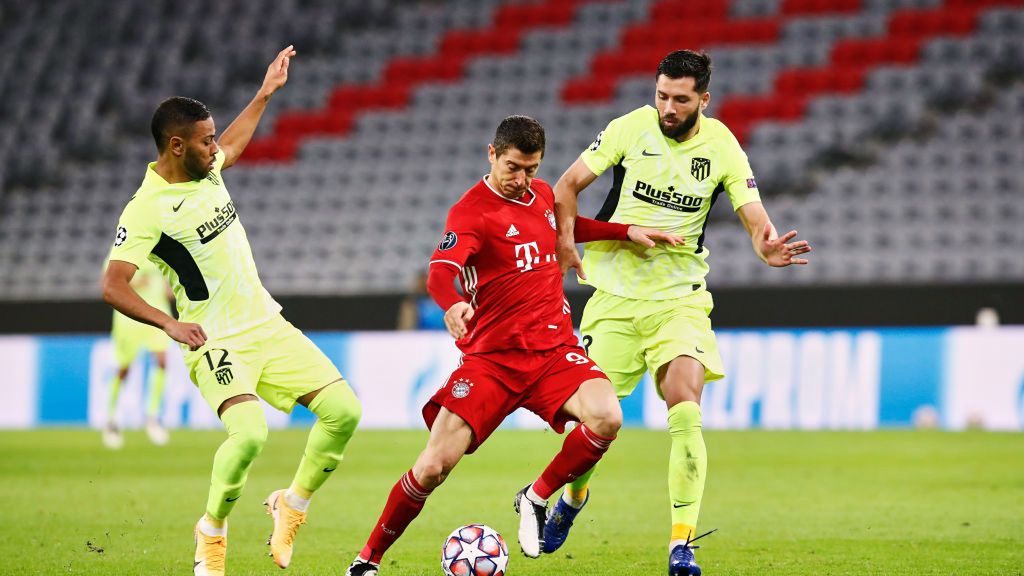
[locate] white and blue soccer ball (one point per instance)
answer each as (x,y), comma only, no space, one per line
(474,550)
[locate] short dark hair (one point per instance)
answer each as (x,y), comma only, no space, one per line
(688,63)
(172,115)
(520,132)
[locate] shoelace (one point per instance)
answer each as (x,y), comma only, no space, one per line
(690,541)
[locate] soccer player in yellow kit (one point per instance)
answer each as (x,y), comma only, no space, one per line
(651,308)
(237,345)
(130,338)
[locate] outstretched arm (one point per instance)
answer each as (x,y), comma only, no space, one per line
(234,140)
(587,230)
(772,249)
(568,187)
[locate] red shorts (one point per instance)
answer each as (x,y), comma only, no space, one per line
(488,387)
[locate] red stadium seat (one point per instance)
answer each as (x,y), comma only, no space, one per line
(805,7)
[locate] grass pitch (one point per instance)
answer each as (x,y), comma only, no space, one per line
(786,503)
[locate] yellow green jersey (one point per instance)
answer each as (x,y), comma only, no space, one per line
(191,231)
(665,184)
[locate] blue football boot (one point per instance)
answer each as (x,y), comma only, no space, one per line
(560,519)
(682,563)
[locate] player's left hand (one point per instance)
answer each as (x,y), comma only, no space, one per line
(456,317)
(779,252)
(277,72)
(649,236)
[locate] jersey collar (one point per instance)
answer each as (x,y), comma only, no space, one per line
(533,195)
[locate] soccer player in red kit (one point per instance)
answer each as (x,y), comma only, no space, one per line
(514,329)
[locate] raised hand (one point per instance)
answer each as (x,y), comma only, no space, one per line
(277,72)
(779,252)
(650,236)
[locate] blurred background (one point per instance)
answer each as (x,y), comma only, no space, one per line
(890,133)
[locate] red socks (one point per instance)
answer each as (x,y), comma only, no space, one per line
(404,504)
(580,452)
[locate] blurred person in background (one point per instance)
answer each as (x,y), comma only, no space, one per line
(417,310)
(130,338)
(238,347)
(651,311)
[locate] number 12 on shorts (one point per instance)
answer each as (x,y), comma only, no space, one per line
(221,370)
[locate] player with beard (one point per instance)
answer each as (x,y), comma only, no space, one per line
(237,345)
(651,308)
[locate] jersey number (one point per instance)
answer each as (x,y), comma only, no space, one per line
(220,363)
(577,358)
(587,341)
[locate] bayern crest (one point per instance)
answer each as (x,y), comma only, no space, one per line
(551,219)
(461,388)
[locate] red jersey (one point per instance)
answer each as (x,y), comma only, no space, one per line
(505,252)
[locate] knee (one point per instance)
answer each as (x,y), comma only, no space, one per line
(606,419)
(251,439)
(346,418)
(431,470)
(343,415)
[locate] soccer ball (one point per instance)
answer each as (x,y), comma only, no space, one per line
(474,550)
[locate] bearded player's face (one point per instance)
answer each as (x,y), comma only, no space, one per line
(512,171)
(200,149)
(679,105)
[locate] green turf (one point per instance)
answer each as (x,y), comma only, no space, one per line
(785,502)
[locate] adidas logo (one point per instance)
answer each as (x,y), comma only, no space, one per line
(511,231)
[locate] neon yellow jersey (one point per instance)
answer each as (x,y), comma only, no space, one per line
(191,232)
(664,184)
(149,283)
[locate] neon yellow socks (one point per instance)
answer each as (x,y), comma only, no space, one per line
(157,377)
(575,493)
(338,412)
(687,468)
(247,432)
(112,394)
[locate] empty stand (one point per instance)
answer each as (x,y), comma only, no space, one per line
(886,131)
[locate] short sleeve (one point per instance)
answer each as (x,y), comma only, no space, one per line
(137,233)
(738,179)
(461,239)
(607,150)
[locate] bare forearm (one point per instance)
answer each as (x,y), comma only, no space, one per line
(126,301)
(237,136)
(566,209)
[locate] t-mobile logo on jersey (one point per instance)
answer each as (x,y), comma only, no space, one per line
(528,255)
(528,252)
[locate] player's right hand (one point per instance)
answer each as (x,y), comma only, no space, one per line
(456,317)
(277,72)
(189,334)
(568,258)
(649,237)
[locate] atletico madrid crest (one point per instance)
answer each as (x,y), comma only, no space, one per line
(700,168)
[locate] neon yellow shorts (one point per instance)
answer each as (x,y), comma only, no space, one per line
(130,338)
(628,337)
(274,360)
